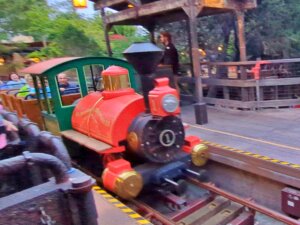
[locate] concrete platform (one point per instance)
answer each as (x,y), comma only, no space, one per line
(271,132)
(112,212)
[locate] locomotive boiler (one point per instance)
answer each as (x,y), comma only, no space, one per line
(145,132)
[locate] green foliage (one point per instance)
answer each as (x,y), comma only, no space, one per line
(272,31)
(128,31)
(119,46)
(68,33)
(4,49)
(73,42)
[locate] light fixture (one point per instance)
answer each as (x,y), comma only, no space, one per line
(80,3)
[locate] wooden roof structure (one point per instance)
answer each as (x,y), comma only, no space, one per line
(150,13)
(143,12)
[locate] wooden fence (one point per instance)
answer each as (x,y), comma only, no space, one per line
(233,84)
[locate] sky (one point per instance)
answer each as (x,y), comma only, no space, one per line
(89,11)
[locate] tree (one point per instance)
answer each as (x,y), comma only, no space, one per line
(73,42)
(14,17)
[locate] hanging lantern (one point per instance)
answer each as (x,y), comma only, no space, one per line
(80,3)
(2,61)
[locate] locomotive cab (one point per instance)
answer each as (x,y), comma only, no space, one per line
(54,113)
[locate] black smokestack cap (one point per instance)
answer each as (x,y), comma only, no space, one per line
(144,57)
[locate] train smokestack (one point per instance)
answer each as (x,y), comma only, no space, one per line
(144,57)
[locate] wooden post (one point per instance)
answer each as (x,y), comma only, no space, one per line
(242,47)
(190,44)
(151,27)
(241,34)
(106,36)
(192,9)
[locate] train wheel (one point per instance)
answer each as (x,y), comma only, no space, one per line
(174,207)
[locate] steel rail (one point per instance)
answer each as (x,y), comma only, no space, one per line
(248,203)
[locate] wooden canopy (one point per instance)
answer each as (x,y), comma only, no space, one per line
(143,12)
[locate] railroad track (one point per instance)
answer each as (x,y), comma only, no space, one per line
(235,188)
(212,206)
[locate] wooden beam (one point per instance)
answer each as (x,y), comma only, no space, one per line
(122,16)
(252,104)
(111,3)
(163,6)
(106,36)
(248,63)
(251,83)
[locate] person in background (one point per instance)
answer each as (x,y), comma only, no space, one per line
(28,89)
(15,82)
(170,56)
(25,90)
(64,86)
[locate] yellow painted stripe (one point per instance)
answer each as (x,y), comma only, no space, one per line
(135,216)
(119,205)
(132,214)
(265,158)
(96,188)
(285,163)
(106,196)
(248,153)
(245,137)
(274,160)
(113,200)
(127,210)
(295,166)
(143,222)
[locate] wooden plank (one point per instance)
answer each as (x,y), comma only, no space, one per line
(160,7)
(226,215)
(280,81)
(229,103)
(226,93)
(247,63)
(204,213)
(32,110)
(228,83)
(125,15)
(251,83)
(279,103)
(18,107)
(84,140)
(4,100)
(251,104)
(110,3)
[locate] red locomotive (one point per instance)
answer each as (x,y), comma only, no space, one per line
(145,135)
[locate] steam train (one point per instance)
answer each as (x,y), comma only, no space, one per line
(130,140)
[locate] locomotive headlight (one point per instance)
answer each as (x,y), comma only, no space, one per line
(170,103)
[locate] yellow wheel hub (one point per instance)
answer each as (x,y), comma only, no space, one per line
(129,184)
(199,155)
